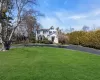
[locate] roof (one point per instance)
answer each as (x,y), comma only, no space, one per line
(43,30)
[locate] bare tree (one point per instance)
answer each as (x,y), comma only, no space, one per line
(6,7)
(20,5)
(28,25)
(30,18)
(85,28)
(62,38)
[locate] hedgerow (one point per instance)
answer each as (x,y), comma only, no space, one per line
(88,39)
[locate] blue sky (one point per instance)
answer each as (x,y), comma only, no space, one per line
(69,13)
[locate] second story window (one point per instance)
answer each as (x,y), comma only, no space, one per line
(50,32)
(54,32)
(44,32)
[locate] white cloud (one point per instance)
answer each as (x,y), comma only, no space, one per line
(47,22)
(76,17)
(96,12)
(64,19)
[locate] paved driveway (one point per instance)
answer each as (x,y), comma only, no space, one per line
(85,49)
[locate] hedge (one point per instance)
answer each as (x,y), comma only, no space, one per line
(88,39)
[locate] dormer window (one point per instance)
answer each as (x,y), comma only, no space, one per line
(50,32)
(54,32)
(44,32)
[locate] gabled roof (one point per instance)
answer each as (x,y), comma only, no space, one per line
(43,30)
(46,29)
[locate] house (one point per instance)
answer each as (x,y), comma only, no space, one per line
(51,34)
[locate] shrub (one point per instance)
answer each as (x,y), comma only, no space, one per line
(63,39)
(45,41)
(88,39)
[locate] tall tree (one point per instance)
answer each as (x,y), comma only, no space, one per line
(29,23)
(7,8)
(20,6)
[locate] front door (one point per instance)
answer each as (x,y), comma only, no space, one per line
(53,38)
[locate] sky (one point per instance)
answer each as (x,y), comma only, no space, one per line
(69,13)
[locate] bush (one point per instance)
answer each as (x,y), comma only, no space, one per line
(88,39)
(45,41)
(63,39)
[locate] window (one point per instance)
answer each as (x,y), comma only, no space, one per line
(50,32)
(44,32)
(54,32)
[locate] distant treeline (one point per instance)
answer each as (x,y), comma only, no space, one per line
(88,39)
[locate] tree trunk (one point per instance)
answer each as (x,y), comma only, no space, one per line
(7,45)
(3,48)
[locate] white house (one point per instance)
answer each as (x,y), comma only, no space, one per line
(51,34)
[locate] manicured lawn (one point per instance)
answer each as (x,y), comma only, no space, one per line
(48,64)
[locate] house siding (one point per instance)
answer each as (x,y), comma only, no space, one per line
(48,33)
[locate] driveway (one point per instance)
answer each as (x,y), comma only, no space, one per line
(84,49)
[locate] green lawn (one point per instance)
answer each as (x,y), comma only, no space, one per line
(48,64)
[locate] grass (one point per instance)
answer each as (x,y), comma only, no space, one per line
(48,64)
